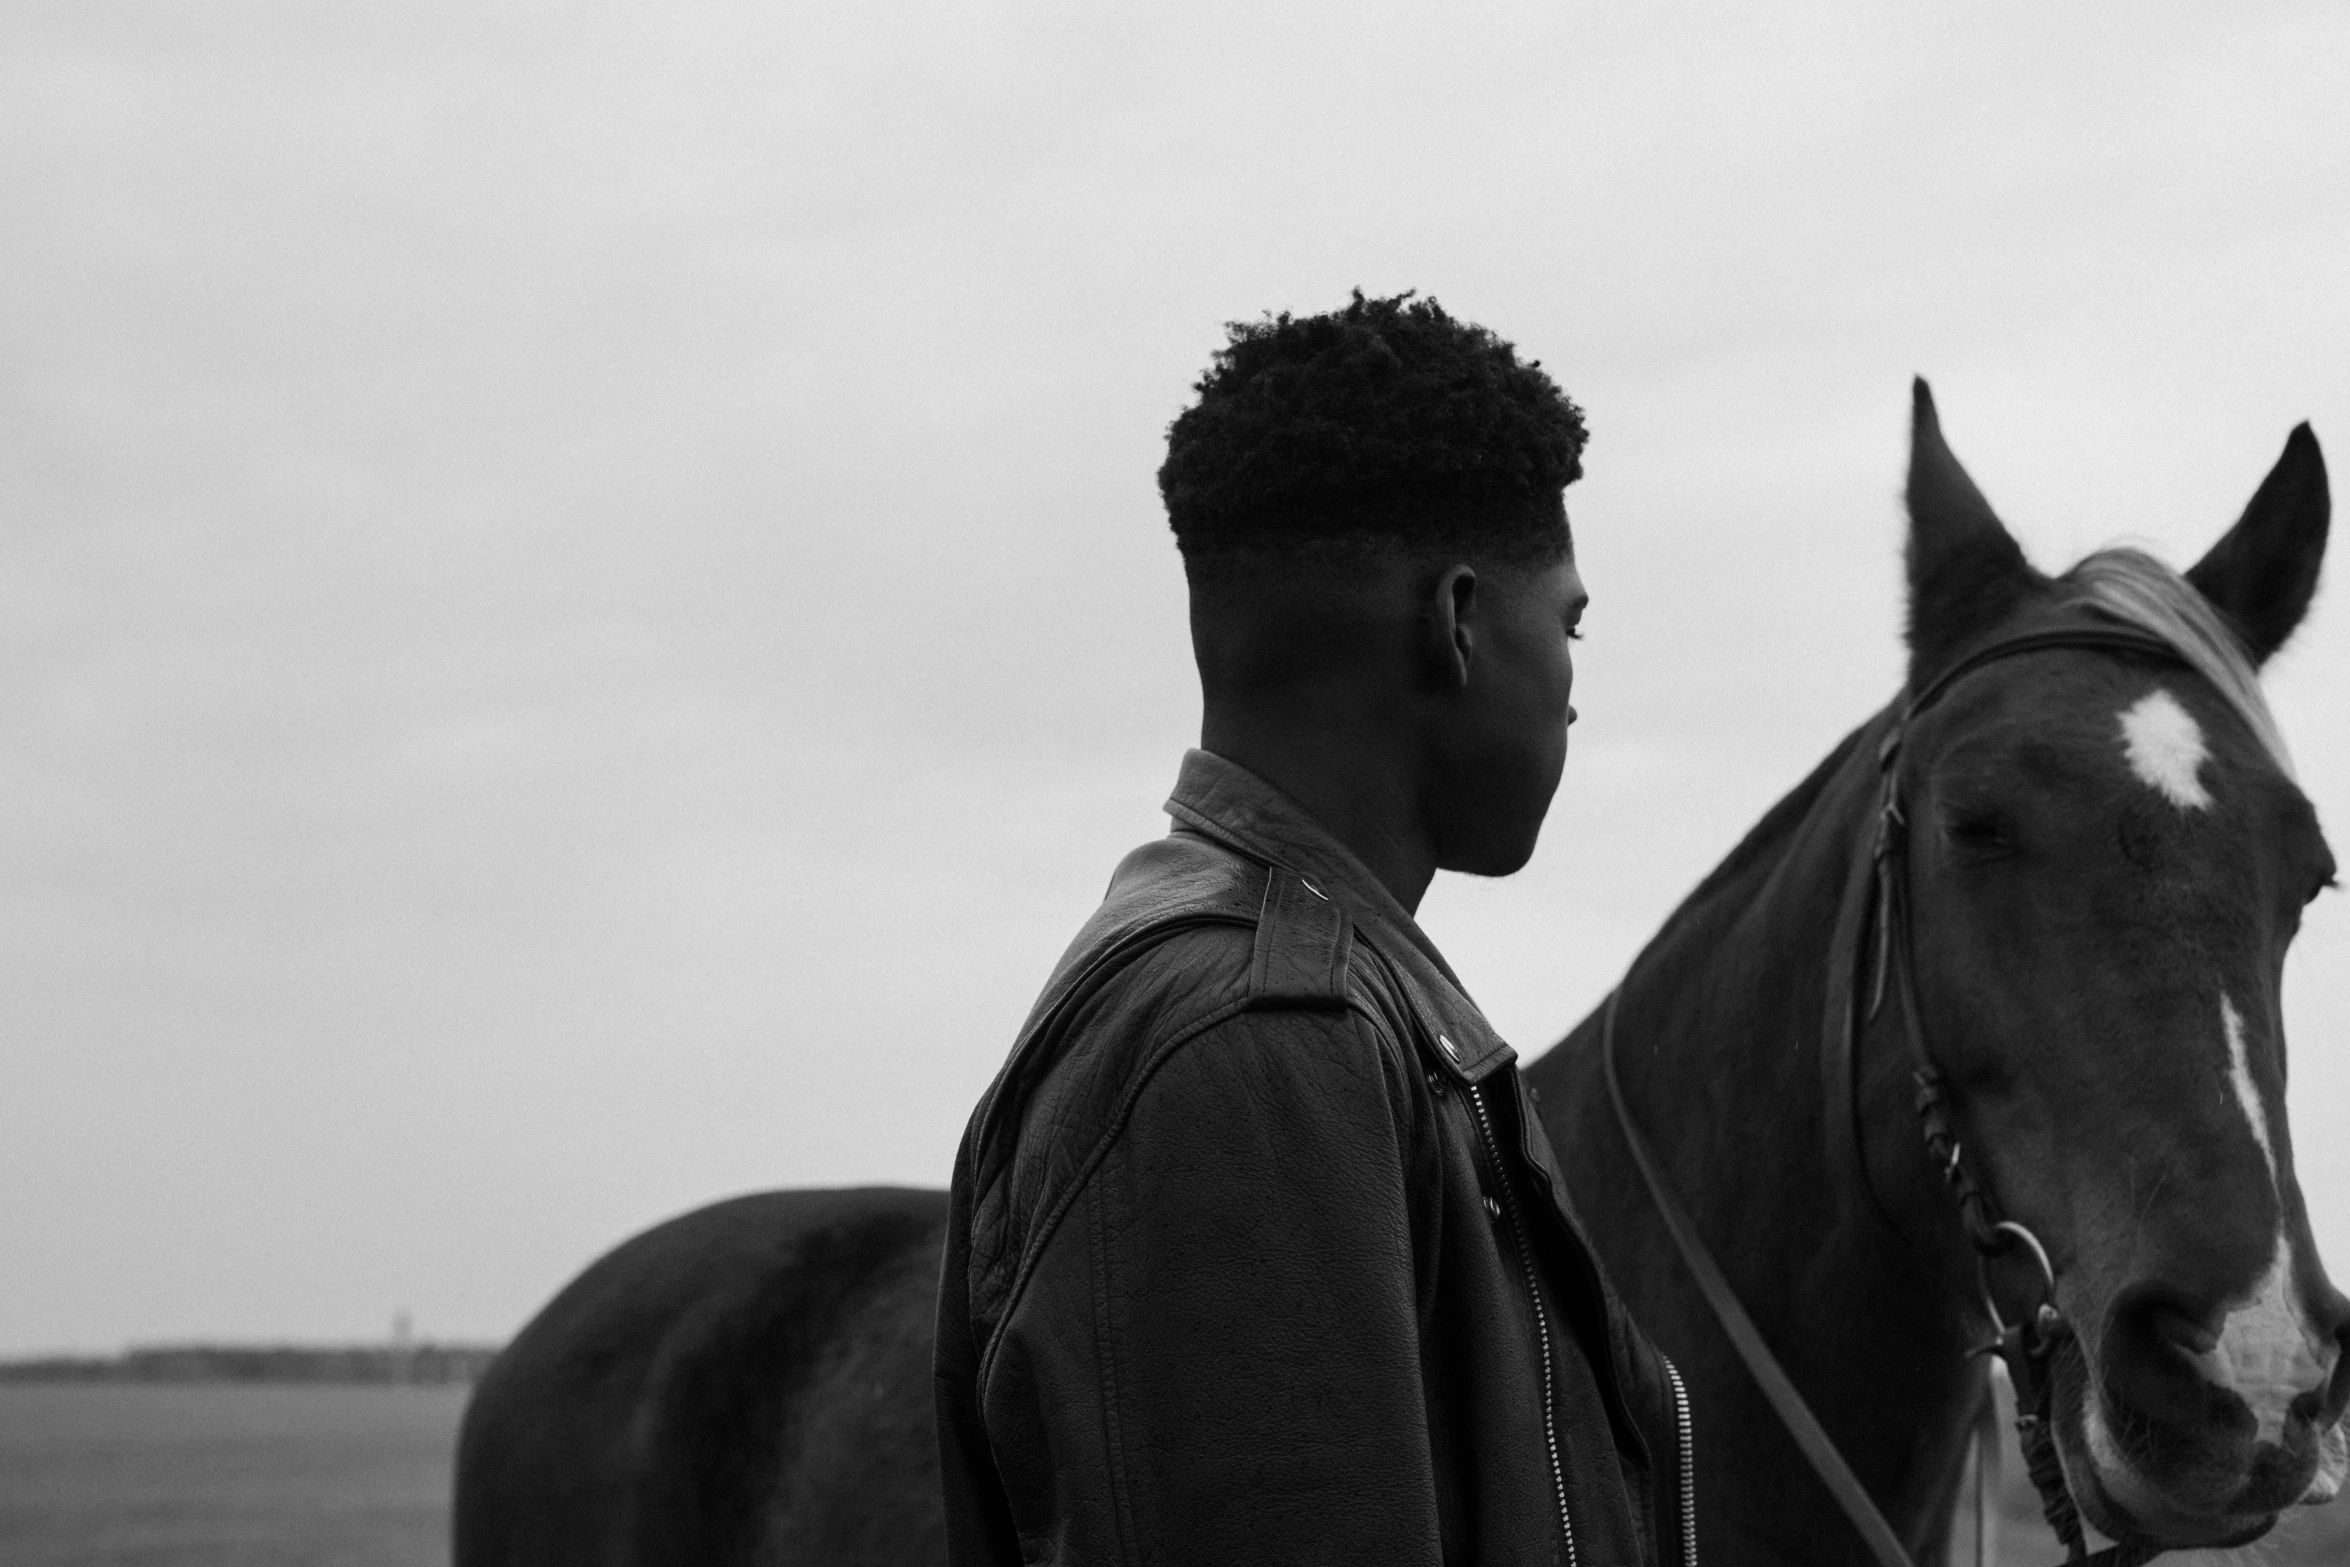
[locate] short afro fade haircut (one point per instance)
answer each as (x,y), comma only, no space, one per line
(1386,424)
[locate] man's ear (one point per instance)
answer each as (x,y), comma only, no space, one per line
(2262,574)
(1451,647)
(1966,573)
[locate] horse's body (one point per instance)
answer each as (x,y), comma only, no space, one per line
(747,1383)
(2106,861)
(1722,1069)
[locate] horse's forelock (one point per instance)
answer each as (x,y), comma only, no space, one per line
(2133,586)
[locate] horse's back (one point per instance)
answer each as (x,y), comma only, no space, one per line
(748,1383)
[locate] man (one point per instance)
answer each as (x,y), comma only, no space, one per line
(1257,1252)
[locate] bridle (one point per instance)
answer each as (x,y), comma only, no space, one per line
(1876,902)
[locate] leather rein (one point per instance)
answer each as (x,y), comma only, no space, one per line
(1877,906)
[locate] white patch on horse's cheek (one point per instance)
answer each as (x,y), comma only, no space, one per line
(2098,1439)
(2166,750)
(2118,1480)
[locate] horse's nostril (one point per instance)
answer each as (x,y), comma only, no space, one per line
(2174,1327)
(2163,1351)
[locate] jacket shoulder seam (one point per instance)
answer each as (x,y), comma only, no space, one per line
(1134,946)
(1079,1182)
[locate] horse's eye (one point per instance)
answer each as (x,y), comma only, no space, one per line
(1976,829)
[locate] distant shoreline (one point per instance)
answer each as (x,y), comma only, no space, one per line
(413,1365)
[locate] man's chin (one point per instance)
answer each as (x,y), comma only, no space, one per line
(1501,852)
(1502,862)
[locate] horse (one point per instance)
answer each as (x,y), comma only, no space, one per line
(2102,858)
(2107,859)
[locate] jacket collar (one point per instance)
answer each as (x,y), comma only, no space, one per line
(1227,802)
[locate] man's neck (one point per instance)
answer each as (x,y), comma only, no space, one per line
(1353,780)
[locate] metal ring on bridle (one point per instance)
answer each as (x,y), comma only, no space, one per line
(2014,1231)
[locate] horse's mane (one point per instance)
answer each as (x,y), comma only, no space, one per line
(2128,584)
(2133,586)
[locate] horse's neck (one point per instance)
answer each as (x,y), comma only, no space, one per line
(1719,1039)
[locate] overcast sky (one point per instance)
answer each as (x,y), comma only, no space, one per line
(583,609)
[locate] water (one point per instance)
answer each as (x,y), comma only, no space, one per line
(339,1476)
(205,1474)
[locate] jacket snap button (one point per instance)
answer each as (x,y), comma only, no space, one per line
(1436,1084)
(1450,1048)
(1492,1208)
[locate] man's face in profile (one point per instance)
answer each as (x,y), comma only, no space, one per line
(1505,743)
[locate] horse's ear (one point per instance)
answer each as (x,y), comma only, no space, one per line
(1965,571)
(2262,575)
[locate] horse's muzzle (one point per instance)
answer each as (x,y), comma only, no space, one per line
(2162,1449)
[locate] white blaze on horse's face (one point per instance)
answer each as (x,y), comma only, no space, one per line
(2268,1352)
(2166,749)
(2247,1091)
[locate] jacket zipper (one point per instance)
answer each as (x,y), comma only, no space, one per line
(1688,1434)
(1509,1203)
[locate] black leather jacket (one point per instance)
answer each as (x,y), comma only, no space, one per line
(1257,1252)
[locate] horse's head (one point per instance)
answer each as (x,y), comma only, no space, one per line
(2108,858)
